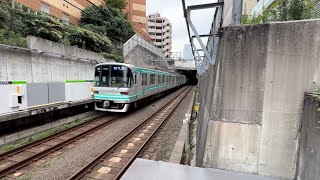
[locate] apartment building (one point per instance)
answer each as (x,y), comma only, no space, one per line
(70,10)
(160,32)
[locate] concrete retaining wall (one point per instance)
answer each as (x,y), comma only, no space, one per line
(249,112)
(48,61)
(309,153)
(142,57)
(45,65)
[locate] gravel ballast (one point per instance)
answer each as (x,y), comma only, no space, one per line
(69,162)
(170,132)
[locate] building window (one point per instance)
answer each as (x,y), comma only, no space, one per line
(45,8)
(65,18)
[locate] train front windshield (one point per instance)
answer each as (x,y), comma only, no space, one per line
(113,76)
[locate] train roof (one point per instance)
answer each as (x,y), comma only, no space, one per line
(133,67)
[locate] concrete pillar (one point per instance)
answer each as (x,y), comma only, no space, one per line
(237,12)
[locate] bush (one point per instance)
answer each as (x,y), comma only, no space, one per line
(283,10)
(108,21)
(16,25)
(11,38)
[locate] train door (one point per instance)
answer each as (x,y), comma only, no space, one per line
(136,83)
(143,84)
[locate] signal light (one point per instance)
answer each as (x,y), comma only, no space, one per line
(124,93)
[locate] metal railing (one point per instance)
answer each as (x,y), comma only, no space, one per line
(210,50)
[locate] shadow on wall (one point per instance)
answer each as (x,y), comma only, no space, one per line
(251,100)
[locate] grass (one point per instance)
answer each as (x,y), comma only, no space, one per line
(35,137)
(192,127)
(316,95)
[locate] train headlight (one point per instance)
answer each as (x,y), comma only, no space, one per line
(124,93)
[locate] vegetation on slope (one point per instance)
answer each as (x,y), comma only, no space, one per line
(283,10)
(97,25)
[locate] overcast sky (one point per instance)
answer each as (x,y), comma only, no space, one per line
(172,10)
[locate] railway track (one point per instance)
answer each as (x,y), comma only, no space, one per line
(13,160)
(113,162)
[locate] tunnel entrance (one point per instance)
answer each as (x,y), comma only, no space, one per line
(191,75)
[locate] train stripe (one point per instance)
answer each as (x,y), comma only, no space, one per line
(77,81)
(125,97)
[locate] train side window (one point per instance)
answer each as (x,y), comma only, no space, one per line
(159,79)
(163,79)
(142,79)
(135,79)
(146,82)
(152,79)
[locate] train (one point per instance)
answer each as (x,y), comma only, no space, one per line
(117,86)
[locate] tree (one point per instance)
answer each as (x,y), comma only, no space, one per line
(117,4)
(108,21)
(284,10)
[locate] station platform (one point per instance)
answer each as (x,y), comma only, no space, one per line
(41,109)
(142,169)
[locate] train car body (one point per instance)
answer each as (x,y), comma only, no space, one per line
(119,85)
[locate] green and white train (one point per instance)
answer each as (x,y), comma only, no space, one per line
(119,85)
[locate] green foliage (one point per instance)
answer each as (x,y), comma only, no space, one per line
(108,21)
(15,25)
(114,55)
(283,10)
(45,27)
(117,4)
(11,38)
(88,39)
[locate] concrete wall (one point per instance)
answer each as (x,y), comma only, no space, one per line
(249,113)
(49,65)
(49,46)
(142,57)
(45,66)
(309,153)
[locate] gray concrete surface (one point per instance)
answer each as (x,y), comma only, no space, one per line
(251,100)
(309,149)
(143,169)
(142,57)
(50,46)
(41,110)
(18,64)
(182,144)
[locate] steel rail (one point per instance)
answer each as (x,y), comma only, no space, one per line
(45,139)
(10,169)
(88,168)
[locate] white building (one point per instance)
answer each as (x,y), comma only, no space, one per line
(160,32)
(187,52)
